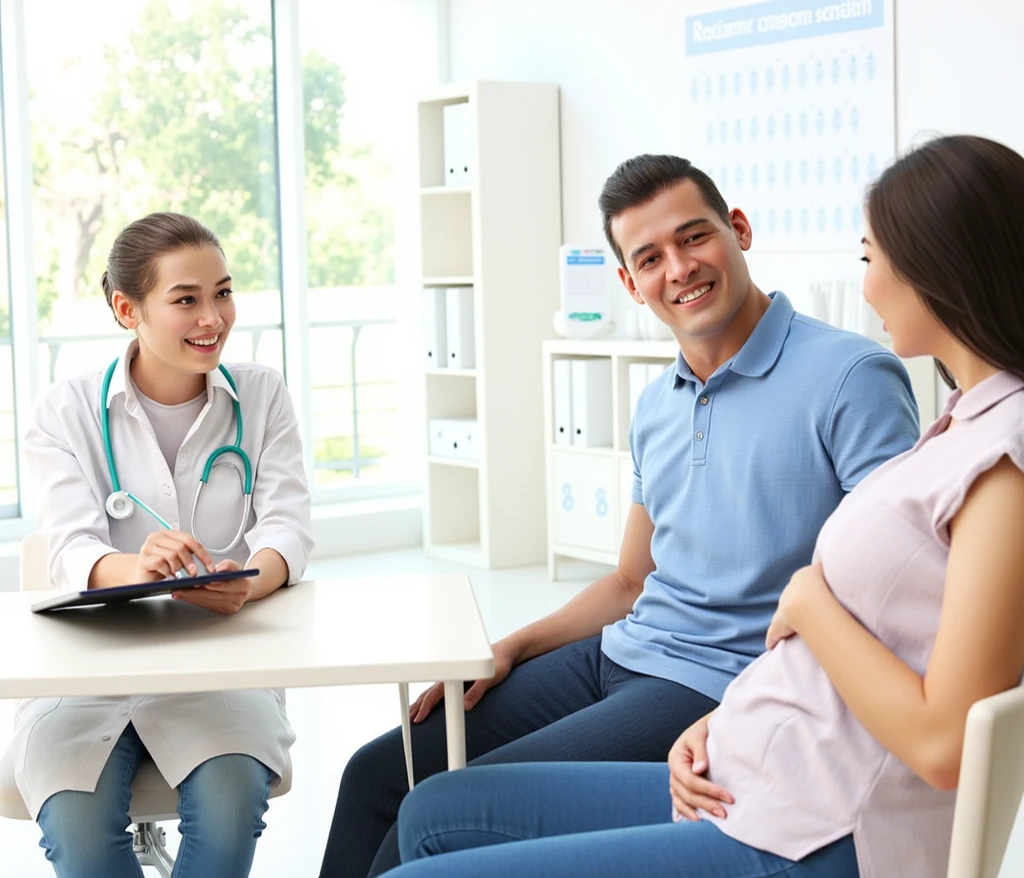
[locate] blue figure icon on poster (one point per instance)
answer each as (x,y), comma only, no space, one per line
(805,220)
(755,129)
(821,172)
(737,84)
(801,74)
(785,77)
(737,131)
(854,119)
(837,121)
(804,123)
(837,170)
(755,175)
(837,219)
(770,174)
(787,221)
(805,172)
(819,72)
(870,66)
(753,82)
(822,219)
(769,127)
(787,173)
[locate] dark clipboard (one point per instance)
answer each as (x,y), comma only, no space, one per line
(120,593)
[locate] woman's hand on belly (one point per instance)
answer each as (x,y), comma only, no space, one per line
(687,761)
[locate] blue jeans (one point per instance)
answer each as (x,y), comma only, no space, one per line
(221,805)
(571,704)
(602,820)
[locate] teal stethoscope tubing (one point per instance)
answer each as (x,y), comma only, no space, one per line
(120,504)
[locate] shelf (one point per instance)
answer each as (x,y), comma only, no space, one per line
(584,554)
(637,348)
(453,461)
(451,373)
(470,554)
(465,280)
(592,452)
(446,190)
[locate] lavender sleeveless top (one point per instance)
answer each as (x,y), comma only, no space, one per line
(804,772)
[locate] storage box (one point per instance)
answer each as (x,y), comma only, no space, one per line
(454,437)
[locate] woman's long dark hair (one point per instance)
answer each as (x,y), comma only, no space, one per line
(949,216)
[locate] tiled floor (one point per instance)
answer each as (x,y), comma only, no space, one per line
(331,723)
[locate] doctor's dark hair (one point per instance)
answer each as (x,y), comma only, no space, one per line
(637,180)
(948,217)
(131,265)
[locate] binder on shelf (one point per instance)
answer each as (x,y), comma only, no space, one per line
(458,131)
(638,380)
(435,319)
(656,369)
(561,395)
(459,328)
(592,402)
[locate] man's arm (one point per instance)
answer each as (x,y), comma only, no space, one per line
(604,601)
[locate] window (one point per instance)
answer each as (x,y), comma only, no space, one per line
(163,106)
(360,80)
(131,106)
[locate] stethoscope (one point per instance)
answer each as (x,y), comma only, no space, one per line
(121,504)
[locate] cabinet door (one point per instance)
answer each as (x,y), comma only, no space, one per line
(585,501)
(625,465)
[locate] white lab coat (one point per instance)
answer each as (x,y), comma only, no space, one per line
(63,743)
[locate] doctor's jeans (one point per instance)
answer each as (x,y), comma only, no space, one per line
(555,820)
(571,704)
(221,805)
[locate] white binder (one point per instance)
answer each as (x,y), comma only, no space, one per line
(459,328)
(561,393)
(656,369)
(458,129)
(592,402)
(637,382)
(435,319)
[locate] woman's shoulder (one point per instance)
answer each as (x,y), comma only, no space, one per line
(255,377)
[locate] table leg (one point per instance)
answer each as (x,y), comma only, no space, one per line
(455,723)
(403,698)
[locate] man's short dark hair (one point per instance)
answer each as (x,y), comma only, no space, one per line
(637,180)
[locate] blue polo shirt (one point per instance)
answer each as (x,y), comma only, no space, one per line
(738,476)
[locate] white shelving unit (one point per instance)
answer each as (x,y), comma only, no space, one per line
(500,234)
(589,490)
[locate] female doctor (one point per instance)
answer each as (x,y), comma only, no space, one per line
(118,456)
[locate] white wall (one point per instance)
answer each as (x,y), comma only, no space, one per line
(959,69)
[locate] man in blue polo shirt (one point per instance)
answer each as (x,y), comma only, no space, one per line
(739,454)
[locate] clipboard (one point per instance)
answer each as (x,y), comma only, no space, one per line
(118,594)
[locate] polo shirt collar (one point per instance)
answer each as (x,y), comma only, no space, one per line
(762,348)
(120,381)
(980,398)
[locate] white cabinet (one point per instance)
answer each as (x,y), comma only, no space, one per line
(490,229)
(589,490)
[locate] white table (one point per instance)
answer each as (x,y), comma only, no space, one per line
(380,629)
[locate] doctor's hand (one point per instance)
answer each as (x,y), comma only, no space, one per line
(165,552)
(505,658)
(687,761)
(225,598)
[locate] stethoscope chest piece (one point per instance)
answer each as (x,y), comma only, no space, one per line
(120,506)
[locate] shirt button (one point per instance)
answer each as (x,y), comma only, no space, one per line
(700,435)
(703,400)
(167,490)
(105,738)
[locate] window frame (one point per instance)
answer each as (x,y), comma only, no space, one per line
(15,148)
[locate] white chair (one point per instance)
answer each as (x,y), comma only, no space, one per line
(990,787)
(152,799)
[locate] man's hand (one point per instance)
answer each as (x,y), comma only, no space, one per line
(225,598)
(687,761)
(505,658)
